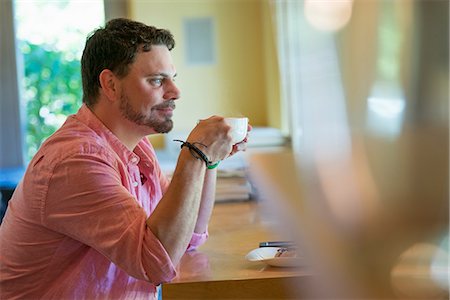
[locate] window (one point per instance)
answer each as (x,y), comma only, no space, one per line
(50,40)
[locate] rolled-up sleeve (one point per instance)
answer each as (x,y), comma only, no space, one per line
(159,264)
(87,202)
(197,240)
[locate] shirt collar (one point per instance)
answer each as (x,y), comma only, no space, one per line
(86,116)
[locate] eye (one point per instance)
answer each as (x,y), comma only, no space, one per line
(156,81)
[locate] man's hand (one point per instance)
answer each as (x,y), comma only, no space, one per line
(241,146)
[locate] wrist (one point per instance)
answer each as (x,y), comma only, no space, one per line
(187,157)
(197,153)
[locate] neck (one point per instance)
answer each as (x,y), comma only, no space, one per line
(127,132)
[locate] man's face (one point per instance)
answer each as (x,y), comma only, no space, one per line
(148,92)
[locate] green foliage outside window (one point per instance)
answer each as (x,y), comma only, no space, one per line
(52,92)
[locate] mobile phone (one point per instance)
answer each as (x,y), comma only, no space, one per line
(281,244)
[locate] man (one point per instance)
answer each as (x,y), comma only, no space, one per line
(94,216)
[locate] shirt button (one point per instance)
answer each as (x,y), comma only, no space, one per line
(135,184)
(134,159)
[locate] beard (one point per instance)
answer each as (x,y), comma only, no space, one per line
(152,121)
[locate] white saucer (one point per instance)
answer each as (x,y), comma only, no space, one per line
(267,255)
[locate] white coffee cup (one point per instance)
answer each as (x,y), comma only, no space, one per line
(239,128)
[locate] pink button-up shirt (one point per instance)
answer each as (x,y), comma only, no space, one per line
(75,227)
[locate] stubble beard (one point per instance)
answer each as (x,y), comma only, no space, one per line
(151,121)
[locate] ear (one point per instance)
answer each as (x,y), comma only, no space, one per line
(109,84)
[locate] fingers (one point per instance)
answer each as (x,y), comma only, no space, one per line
(242,146)
(215,133)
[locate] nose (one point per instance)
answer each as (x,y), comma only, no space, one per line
(172,92)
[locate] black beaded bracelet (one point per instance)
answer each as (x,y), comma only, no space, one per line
(198,154)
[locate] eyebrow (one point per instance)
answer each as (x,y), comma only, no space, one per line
(165,75)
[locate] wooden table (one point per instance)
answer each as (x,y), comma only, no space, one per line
(219,270)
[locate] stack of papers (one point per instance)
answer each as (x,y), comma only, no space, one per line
(266,137)
(232,185)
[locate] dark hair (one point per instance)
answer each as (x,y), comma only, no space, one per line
(114,47)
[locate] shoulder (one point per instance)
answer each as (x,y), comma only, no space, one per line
(73,140)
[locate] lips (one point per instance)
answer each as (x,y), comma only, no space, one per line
(167,106)
(166,110)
